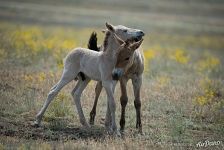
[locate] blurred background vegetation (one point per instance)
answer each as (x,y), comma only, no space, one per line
(182,94)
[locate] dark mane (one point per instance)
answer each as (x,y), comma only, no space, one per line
(105,42)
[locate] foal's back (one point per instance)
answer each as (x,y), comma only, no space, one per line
(79,53)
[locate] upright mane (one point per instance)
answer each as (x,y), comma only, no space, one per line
(105,42)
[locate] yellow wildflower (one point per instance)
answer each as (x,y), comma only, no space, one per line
(180,56)
(201,100)
(28,78)
(68,44)
(163,80)
(149,54)
(207,62)
(41,77)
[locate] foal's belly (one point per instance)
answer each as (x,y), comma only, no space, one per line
(91,69)
(92,75)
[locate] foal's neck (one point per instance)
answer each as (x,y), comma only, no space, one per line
(110,46)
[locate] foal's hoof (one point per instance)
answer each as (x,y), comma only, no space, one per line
(87,126)
(118,133)
(140,131)
(91,121)
(122,133)
(115,133)
(36,124)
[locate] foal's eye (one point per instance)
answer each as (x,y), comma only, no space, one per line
(127,58)
(125,31)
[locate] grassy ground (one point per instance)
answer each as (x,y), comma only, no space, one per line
(182,94)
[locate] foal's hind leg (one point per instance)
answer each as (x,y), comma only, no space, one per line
(76,93)
(67,76)
(98,90)
(137,82)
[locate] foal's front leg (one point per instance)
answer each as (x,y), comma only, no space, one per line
(137,82)
(109,87)
(123,101)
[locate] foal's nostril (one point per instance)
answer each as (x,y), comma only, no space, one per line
(141,33)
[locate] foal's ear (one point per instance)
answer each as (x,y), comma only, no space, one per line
(119,40)
(110,27)
(136,45)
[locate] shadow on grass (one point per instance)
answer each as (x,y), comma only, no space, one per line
(26,130)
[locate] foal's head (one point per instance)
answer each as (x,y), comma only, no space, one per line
(125,56)
(125,33)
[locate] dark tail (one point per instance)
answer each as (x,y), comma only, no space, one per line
(93,42)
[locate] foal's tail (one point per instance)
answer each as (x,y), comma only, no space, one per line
(93,42)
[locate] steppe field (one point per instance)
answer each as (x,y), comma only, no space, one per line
(183,87)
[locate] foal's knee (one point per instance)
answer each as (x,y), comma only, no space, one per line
(124,100)
(112,106)
(137,104)
(75,94)
(52,94)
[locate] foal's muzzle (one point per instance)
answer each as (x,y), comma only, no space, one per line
(117,73)
(138,36)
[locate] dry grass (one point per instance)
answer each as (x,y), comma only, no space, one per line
(182,94)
